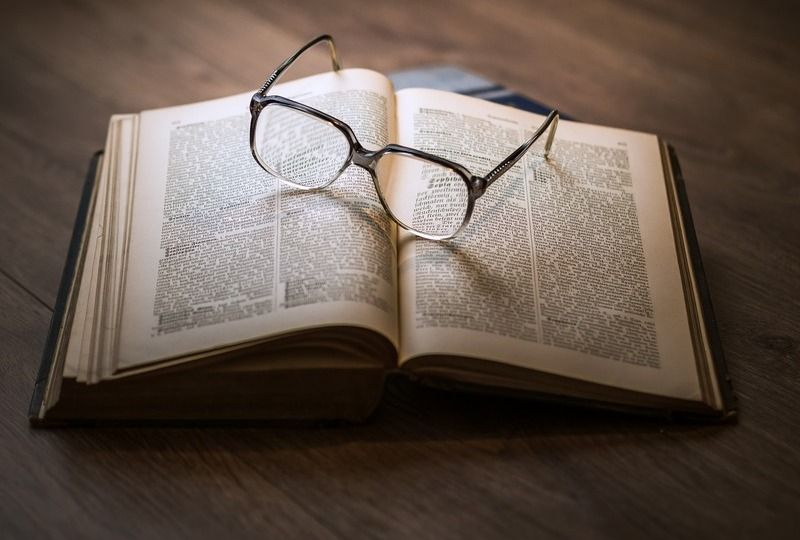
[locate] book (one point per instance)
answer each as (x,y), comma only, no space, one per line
(198,287)
(455,79)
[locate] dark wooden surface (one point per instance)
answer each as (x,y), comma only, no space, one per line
(719,80)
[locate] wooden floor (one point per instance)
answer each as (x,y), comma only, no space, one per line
(719,80)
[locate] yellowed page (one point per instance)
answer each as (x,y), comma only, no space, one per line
(221,253)
(77,357)
(99,293)
(568,266)
(114,246)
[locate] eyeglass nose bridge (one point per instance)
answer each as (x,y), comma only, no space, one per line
(364,158)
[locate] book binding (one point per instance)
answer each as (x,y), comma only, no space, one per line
(59,317)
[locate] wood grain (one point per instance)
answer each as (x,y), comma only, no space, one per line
(719,81)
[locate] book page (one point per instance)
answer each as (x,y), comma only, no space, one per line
(221,252)
(101,279)
(568,265)
(77,356)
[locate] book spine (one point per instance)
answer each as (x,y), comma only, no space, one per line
(709,320)
(67,277)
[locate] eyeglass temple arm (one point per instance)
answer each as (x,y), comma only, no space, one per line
(272,79)
(551,122)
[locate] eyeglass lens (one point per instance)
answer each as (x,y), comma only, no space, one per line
(300,148)
(309,153)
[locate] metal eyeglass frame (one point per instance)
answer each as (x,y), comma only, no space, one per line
(368,159)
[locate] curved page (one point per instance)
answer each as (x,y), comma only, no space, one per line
(222,252)
(568,266)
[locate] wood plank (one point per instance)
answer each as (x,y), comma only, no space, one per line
(721,84)
(103,483)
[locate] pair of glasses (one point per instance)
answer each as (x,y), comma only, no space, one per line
(308,149)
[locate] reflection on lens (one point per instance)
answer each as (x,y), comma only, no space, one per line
(300,148)
(422,195)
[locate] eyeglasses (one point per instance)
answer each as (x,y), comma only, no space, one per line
(308,149)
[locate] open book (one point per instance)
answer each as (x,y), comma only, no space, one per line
(201,287)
